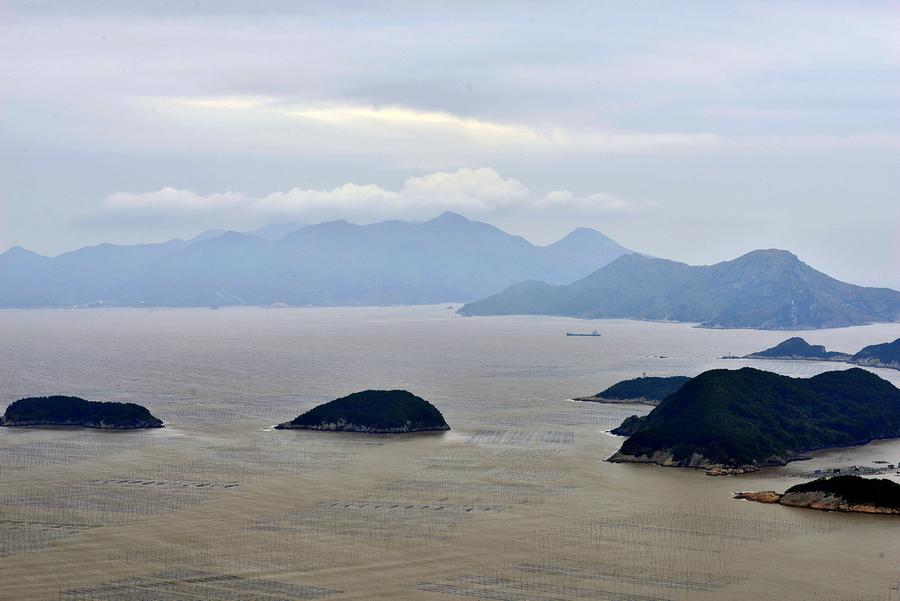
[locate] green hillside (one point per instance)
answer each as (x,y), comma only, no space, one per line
(749,417)
(377,411)
(74,411)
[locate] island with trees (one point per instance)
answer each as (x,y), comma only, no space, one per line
(840,493)
(879,355)
(646,390)
(734,421)
(373,412)
(797,349)
(75,411)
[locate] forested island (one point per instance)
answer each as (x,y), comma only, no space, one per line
(732,421)
(374,412)
(879,355)
(796,348)
(75,411)
(840,493)
(647,390)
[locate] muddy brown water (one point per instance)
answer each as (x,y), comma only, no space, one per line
(515,503)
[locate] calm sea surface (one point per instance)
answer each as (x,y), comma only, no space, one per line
(245,355)
(553,520)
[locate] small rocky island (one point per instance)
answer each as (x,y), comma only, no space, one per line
(797,349)
(840,493)
(735,421)
(647,390)
(74,411)
(373,412)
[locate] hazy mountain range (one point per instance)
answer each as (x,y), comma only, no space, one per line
(764,289)
(446,259)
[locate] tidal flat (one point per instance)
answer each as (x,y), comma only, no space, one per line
(515,503)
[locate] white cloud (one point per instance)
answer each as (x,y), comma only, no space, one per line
(478,187)
(478,192)
(346,200)
(170,201)
(598,203)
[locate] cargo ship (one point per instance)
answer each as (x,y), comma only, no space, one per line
(594,333)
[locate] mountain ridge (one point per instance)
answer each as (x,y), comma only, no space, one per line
(448,258)
(762,289)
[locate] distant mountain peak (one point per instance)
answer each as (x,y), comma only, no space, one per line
(583,235)
(20,252)
(450,217)
(633,259)
(764,289)
(769,253)
(584,241)
(583,231)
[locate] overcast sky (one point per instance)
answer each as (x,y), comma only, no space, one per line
(693,131)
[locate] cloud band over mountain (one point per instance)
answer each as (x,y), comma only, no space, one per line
(481,191)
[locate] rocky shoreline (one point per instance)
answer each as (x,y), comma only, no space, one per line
(699,462)
(606,401)
(814,500)
(100,425)
(342,426)
(840,359)
(871,362)
(372,412)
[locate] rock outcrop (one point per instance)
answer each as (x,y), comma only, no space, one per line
(852,494)
(814,500)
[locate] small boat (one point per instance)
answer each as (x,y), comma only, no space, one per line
(594,333)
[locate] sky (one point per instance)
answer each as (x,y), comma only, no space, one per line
(695,131)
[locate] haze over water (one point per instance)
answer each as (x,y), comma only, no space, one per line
(515,502)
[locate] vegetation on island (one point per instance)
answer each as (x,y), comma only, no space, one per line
(74,411)
(849,493)
(798,348)
(628,427)
(875,355)
(854,490)
(748,418)
(879,355)
(373,411)
(647,389)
